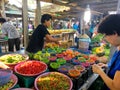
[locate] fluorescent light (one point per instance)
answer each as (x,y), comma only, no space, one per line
(87,15)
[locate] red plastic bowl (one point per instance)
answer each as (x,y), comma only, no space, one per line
(67,58)
(55,73)
(52,58)
(42,64)
(59,55)
(86,65)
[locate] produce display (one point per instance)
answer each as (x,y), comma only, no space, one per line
(54,50)
(70,53)
(7,86)
(54,65)
(30,68)
(99,46)
(90,61)
(39,55)
(67,58)
(79,68)
(61,61)
(97,39)
(54,58)
(86,64)
(51,45)
(53,81)
(13,58)
(74,73)
(76,62)
(63,69)
(100,51)
(59,55)
(45,60)
(81,59)
(61,31)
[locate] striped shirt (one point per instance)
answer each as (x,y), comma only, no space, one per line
(10,30)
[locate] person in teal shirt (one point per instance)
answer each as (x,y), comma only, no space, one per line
(91,30)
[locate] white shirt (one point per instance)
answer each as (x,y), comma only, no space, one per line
(10,30)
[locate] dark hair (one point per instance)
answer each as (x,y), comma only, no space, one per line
(2,20)
(45,17)
(110,25)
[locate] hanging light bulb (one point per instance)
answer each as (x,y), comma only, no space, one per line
(87,14)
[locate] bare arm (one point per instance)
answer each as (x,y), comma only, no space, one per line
(112,84)
(50,38)
(2,65)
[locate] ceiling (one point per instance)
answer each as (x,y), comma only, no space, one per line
(97,6)
(74,8)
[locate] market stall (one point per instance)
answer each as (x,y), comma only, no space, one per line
(76,67)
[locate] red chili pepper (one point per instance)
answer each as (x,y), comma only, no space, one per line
(31,67)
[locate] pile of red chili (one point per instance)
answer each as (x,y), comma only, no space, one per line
(31,67)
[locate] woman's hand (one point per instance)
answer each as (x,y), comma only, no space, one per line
(102,65)
(97,69)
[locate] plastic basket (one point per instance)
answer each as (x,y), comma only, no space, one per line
(5,75)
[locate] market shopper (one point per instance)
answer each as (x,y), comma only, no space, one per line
(110,27)
(41,33)
(13,35)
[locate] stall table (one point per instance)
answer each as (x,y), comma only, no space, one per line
(82,86)
(89,82)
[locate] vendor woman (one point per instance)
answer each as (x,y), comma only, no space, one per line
(40,34)
(110,28)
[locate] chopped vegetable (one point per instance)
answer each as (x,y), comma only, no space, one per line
(7,86)
(31,67)
(53,81)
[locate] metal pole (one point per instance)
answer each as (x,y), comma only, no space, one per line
(25,22)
